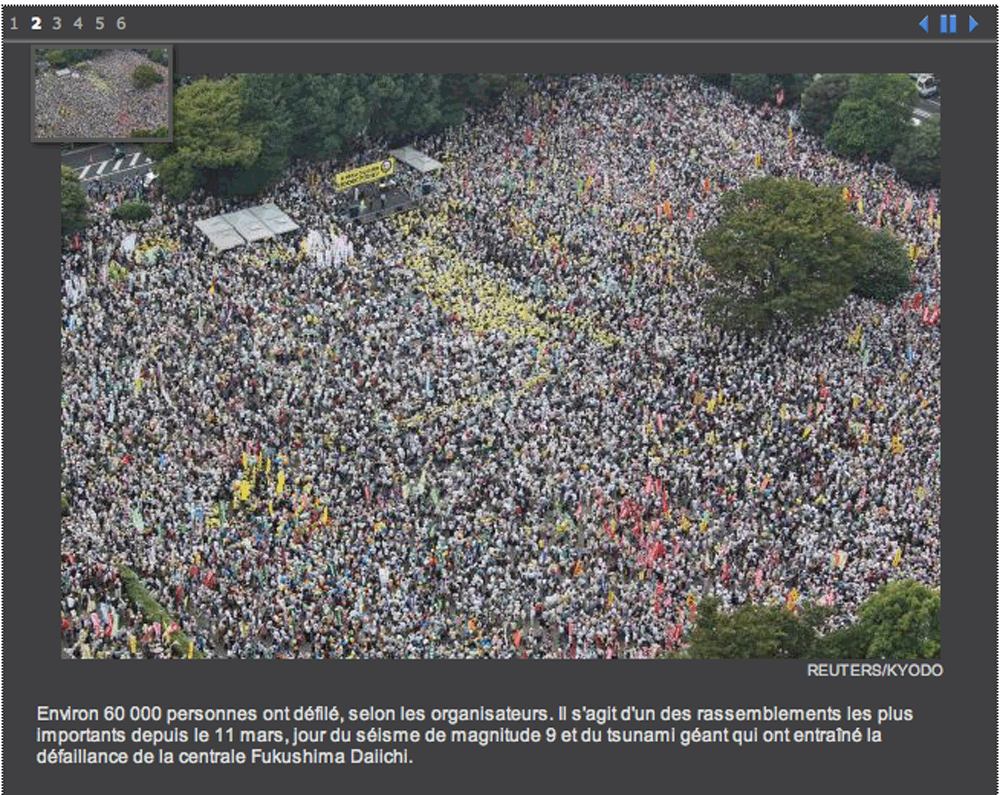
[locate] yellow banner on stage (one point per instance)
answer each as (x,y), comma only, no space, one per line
(369,173)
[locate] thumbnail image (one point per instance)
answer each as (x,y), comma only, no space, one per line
(506,366)
(101,94)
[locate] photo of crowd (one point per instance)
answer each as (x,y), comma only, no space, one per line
(496,425)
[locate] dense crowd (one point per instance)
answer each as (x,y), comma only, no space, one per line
(498,425)
(97,98)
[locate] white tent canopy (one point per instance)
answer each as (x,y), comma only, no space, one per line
(425,164)
(246,226)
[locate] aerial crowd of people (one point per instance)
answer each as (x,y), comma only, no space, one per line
(498,424)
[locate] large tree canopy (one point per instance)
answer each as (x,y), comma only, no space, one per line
(237,134)
(74,202)
(902,621)
(821,100)
(755,632)
(917,156)
(784,251)
(874,116)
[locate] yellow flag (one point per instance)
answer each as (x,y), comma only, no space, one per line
(131,644)
(281,482)
(652,167)
(244,489)
(897,557)
(191,650)
(758,160)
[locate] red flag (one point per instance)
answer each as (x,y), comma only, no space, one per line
(691,212)
(758,578)
(517,638)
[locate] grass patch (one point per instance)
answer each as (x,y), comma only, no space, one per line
(152,611)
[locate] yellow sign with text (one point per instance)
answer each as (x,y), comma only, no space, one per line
(369,173)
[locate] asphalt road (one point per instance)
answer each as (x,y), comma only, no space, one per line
(927,108)
(96,163)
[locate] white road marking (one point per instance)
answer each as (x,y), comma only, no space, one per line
(135,165)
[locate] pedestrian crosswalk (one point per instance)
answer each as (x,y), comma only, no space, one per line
(131,162)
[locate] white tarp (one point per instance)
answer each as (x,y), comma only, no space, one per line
(423,163)
(246,226)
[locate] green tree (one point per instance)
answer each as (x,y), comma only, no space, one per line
(159,56)
(265,118)
(917,156)
(820,102)
(873,117)
(754,88)
(314,103)
(144,75)
(211,145)
(783,252)
(902,621)
(755,632)
(884,272)
(155,150)
(132,211)
(74,202)
(761,88)
(721,79)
